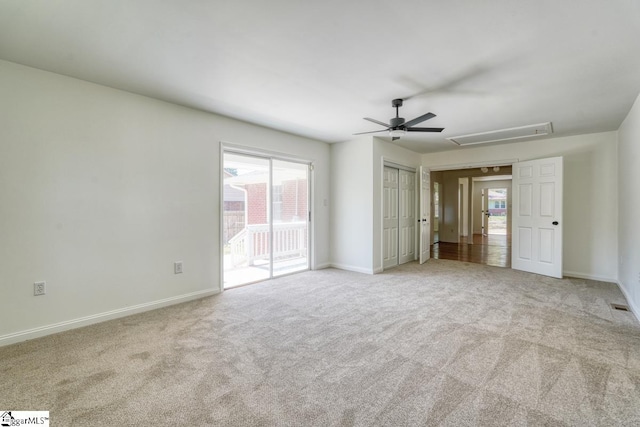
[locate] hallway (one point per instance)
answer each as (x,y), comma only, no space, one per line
(494,249)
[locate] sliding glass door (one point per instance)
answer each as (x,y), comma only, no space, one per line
(265,218)
(290,216)
(247,249)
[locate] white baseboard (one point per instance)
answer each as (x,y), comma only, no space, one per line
(100,317)
(322,266)
(352,268)
(589,276)
(632,306)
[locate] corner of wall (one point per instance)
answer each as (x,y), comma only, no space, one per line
(628,147)
(630,302)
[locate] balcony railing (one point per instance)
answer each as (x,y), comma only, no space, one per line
(252,243)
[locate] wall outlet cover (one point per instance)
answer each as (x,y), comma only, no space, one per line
(177,267)
(39,288)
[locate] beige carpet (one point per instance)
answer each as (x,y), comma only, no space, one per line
(446,343)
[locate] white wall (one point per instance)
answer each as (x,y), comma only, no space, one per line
(352,205)
(629,207)
(590,194)
(102,190)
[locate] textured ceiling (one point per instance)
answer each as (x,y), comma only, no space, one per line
(317,68)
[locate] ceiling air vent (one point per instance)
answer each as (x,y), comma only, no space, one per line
(519,133)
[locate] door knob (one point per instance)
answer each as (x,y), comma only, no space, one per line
(555,223)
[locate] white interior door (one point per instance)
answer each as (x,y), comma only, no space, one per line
(390,222)
(537,217)
(425,214)
(407,216)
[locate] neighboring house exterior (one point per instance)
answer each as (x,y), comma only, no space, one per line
(498,201)
(247,232)
(234,202)
(290,199)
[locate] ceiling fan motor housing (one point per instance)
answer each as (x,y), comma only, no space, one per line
(396,122)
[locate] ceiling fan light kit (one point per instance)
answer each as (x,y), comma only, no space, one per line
(397,132)
(397,127)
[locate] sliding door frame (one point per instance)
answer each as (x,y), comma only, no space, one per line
(270,156)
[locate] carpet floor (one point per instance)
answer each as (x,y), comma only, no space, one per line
(445,343)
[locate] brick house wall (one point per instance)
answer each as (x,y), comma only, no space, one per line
(256,203)
(294,200)
(293,207)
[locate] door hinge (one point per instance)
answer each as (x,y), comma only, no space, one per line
(309,216)
(311,166)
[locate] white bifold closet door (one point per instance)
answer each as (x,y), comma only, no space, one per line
(399,216)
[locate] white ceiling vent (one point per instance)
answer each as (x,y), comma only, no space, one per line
(522,132)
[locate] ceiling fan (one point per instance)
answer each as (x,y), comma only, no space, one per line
(399,127)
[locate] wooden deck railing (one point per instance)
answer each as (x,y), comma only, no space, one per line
(252,243)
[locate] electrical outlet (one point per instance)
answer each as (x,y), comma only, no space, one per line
(177,267)
(39,288)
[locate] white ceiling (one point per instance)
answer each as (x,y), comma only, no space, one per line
(316,68)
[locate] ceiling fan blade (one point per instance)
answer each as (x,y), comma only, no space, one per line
(394,138)
(378,122)
(373,131)
(420,119)
(425,129)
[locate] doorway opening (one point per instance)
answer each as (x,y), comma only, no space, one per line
(476,224)
(495,207)
(265,218)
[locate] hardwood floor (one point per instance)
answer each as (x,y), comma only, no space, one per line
(493,250)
